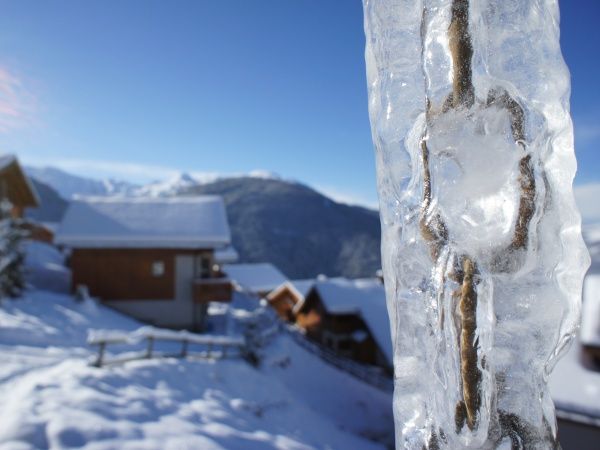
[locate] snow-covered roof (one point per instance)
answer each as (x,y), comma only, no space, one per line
(226,255)
(255,277)
(590,313)
(300,288)
(122,222)
(365,297)
(303,287)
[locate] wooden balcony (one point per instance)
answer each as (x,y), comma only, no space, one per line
(212,290)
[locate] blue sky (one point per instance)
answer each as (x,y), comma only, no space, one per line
(139,89)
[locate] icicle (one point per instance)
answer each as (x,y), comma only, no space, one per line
(482,248)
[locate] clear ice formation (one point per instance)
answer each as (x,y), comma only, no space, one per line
(482,250)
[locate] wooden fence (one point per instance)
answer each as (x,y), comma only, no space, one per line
(206,346)
(372,375)
(190,344)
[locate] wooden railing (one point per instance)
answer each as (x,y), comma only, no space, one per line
(191,344)
(372,375)
(256,336)
(212,290)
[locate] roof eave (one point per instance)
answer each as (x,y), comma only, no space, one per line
(133,243)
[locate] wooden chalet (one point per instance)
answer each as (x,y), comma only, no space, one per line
(16,186)
(257,279)
(348,316)
(153,259)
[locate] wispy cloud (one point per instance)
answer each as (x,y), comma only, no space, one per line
(17,103)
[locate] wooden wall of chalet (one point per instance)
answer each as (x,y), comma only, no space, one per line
(15,186)
(17,212)
(317,322)
(311,315)
(283,303)
(125,274)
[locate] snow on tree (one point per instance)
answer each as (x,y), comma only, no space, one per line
(12,255)
(482,250)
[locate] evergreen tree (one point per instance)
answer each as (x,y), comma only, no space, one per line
(12,257)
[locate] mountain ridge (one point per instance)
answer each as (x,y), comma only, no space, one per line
(298,229)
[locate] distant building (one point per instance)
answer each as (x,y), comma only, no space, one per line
(16,186)
(590,317)
(348,316)
(256,278)
(575,381)
(288,298)
(153,259)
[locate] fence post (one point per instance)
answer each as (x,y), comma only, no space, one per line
(150,347)
(101,348)
(184,348)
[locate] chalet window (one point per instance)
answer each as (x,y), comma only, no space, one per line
(158,268)
(203,266)
(344,344)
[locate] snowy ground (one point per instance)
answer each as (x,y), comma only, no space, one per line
(51,398)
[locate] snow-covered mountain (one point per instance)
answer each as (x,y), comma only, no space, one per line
(171,186)
(69,185)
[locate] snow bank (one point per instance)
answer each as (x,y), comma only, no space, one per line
(44,319)
(51,398)
(161,405)
(45,267)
